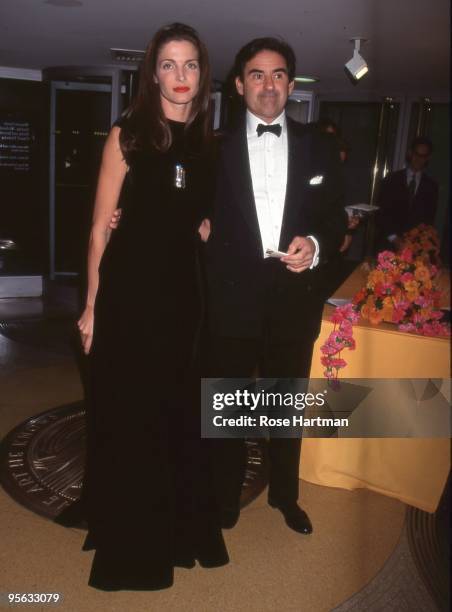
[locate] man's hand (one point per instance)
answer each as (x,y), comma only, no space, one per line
(300,254)
(204,230)
(354,221)
(114,221)
(346,244)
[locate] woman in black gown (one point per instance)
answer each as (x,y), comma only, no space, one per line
(147,494)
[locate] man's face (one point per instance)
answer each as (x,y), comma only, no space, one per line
(419,157)
(265,85)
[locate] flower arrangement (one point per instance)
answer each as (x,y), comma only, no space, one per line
(423,242)
(399,290)
(340,338)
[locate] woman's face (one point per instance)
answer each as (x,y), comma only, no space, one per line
(177,73)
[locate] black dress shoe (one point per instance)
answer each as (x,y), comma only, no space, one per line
(229,517)
(295,517)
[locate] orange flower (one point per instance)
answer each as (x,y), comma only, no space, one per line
(397,295)
(411,286)
(387,311)
(365,311)
(375,316)
(422,274)
(359,297)
(376,276)
(412,295)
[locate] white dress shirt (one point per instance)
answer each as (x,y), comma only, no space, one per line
(417,176)
(268,156)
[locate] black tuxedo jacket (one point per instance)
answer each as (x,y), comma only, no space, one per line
(397,214)
(246,292)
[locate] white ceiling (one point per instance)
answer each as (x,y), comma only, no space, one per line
(408,51)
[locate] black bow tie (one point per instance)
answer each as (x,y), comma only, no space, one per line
(274,129)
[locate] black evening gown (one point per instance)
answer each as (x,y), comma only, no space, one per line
(147,495)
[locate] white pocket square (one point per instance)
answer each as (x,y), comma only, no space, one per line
(316,180)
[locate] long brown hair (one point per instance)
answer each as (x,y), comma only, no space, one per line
(144,123)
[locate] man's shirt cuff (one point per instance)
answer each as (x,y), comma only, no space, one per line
(315,260)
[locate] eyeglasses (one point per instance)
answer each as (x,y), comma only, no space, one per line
(423,155)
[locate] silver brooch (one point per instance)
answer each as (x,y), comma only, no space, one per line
(179,176)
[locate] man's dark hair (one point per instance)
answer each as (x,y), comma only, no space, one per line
(422,140)
(257,45)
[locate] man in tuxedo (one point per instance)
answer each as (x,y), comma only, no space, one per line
(407,197)
(278,187)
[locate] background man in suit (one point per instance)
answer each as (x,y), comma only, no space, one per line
(407,197)
(278,187)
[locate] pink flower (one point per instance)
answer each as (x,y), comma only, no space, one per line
(346,328)
(337,316)
(328,348)
(387,288)
(435,329)
(402,304)
(351,343)
(386,260)
(350,313)
(406,255)
(407,327)
(398,315)
(338,363)
(428,330)
(418,319)
(406,277)
(436,314)
(422,301)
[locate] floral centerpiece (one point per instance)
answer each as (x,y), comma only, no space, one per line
(399,290)
(423,242)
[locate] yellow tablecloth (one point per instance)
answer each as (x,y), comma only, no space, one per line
(412,470)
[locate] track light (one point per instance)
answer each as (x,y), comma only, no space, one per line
(357,66)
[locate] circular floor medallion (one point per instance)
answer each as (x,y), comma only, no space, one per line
(56,335)
(41,461)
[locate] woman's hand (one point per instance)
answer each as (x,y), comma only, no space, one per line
(114,221)
(204,230)
(85,325)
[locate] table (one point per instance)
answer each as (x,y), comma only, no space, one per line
(412,470)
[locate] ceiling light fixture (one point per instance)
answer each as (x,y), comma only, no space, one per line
(128,56)
(357,66)
(64,3)
(306,79)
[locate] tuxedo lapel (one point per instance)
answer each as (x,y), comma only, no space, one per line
(297,174)
(237,166)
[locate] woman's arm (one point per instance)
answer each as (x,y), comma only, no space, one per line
(111,176)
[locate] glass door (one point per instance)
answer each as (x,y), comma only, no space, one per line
(80,122)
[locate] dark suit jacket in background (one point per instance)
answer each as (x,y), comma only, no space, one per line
(237,274)
(397,214)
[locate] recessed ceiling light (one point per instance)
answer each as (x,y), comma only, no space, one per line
(65,3)
(306,79)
